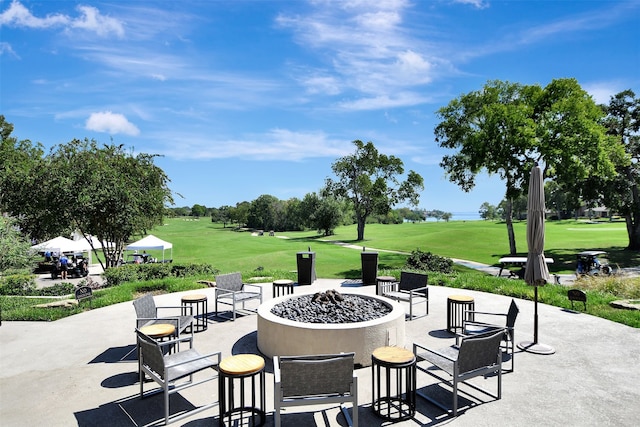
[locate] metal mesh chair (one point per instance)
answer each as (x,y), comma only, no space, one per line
(477,356)
(231,291)
(315,379)
(147,314)
(168,369)
(412,288)
(476,327)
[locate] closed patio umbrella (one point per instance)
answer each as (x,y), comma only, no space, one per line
(536,273)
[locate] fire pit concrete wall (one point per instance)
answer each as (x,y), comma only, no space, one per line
(283,337)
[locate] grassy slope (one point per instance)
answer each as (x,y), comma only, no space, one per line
(486,242)
(481,241)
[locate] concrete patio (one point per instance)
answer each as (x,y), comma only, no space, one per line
(82,370)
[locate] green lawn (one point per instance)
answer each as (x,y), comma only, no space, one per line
(481,241)
(263,258)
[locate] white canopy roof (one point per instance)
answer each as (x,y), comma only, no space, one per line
(60,244)
(83,243)
(150,242)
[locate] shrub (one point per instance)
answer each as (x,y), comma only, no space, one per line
(117,275)
(17,284)
(145,272)
(427,261)
(56,290)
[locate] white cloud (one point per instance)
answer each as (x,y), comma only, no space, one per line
(275,144)
(369,53)
(326,84)
(384,101)
(601,92)
(5,48)
(90,19)
(19,16)
(479,4)
(111,123)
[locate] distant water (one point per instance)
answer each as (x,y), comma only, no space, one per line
(462,216)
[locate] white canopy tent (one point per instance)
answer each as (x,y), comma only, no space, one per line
(59,244)
(151,242)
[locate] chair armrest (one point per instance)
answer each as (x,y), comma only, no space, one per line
(276,369)
(475,322)
(177,341)
(203,356)
(423,290)
(389,287)
(460,335)
(436,352)
(220,291)
(486,313)
(169,306)
(169,319)
(485,325)
(248,285)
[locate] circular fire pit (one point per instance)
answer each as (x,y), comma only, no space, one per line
(278,336)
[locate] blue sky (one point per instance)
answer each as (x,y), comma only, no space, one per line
(243,98)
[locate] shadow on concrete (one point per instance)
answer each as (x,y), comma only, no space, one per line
(133,411)
(125,353)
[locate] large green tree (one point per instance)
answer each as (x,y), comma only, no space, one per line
(370,180)
(506,128)
(240,213)
(100,190)
(23,174)
(622,194)
(263,212)
(323,214)
(115,195)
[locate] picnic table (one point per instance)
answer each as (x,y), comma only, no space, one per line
(515,261)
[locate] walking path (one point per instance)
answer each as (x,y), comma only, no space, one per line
(81,370)
(563,279)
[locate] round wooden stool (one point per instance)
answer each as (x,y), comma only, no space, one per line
(200,315)
(457,306)
(240,368)
(393,365)
(158,330)
(383,280)
(283,286)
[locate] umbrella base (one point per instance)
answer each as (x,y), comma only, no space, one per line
(536,348)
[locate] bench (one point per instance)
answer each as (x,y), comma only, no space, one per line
(517,261)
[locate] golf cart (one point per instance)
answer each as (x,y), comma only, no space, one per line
(592,263)
(78,267)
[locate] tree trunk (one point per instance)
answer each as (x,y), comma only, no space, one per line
(509,220)
(633,219)
(361,222)
(633,230)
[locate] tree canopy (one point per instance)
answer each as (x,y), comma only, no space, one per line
(370,180)
(506,128)
(99,190)
(622,193)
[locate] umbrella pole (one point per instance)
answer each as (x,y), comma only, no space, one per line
(534,346)
(535,316)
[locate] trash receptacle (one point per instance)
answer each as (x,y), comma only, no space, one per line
(306,267)
(369,267)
